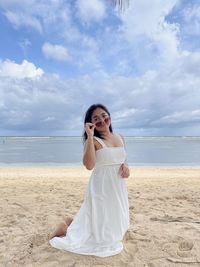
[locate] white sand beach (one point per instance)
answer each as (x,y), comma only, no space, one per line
(164,211)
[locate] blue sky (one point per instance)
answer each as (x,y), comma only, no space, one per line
(58,57)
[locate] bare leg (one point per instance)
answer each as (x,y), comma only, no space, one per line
(68,220)
(61,229)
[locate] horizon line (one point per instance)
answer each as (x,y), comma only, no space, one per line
(81,136)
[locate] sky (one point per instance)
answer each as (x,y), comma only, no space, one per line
(58,57)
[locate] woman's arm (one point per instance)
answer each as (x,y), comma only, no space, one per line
(89,156)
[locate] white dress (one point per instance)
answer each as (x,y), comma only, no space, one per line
(100,224)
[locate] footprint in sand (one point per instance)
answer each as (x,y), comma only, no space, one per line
(184,248)
(38,240)
(182,251)
(129,236)
(185,245)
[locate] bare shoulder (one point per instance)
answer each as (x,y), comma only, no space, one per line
(120,136)
(96,144)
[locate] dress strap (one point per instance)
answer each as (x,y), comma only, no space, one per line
(101,142)
(122,140)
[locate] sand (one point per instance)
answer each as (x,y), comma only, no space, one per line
(164,210)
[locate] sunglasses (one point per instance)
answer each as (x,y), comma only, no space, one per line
(105,120)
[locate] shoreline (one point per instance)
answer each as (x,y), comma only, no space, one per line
(82,166)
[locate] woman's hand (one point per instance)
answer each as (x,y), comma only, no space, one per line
(124,171)
(89,128)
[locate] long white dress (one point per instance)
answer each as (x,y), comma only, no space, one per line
(100,224)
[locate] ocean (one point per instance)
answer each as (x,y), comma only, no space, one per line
(68,151)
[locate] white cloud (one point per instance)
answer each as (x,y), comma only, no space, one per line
(26,69)
(191,17)
(49,118)
(25,44)
(152,14)
(145,20)
(132,63)
(192,12)
(191,63)
(162,102)
(89,11)
(57,52)
(39,15)
(21,19)
(177,118)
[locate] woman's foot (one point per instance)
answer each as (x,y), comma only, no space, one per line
(60,230)
(68,220)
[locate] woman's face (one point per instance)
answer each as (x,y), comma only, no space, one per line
(101,119)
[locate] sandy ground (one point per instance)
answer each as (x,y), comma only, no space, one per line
(164,211)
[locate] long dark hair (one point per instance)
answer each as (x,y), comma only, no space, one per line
(88,118)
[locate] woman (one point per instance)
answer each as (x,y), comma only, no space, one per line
(99,226)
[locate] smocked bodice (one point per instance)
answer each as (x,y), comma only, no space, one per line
(109,155)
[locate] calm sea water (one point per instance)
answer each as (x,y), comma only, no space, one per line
(65,151)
